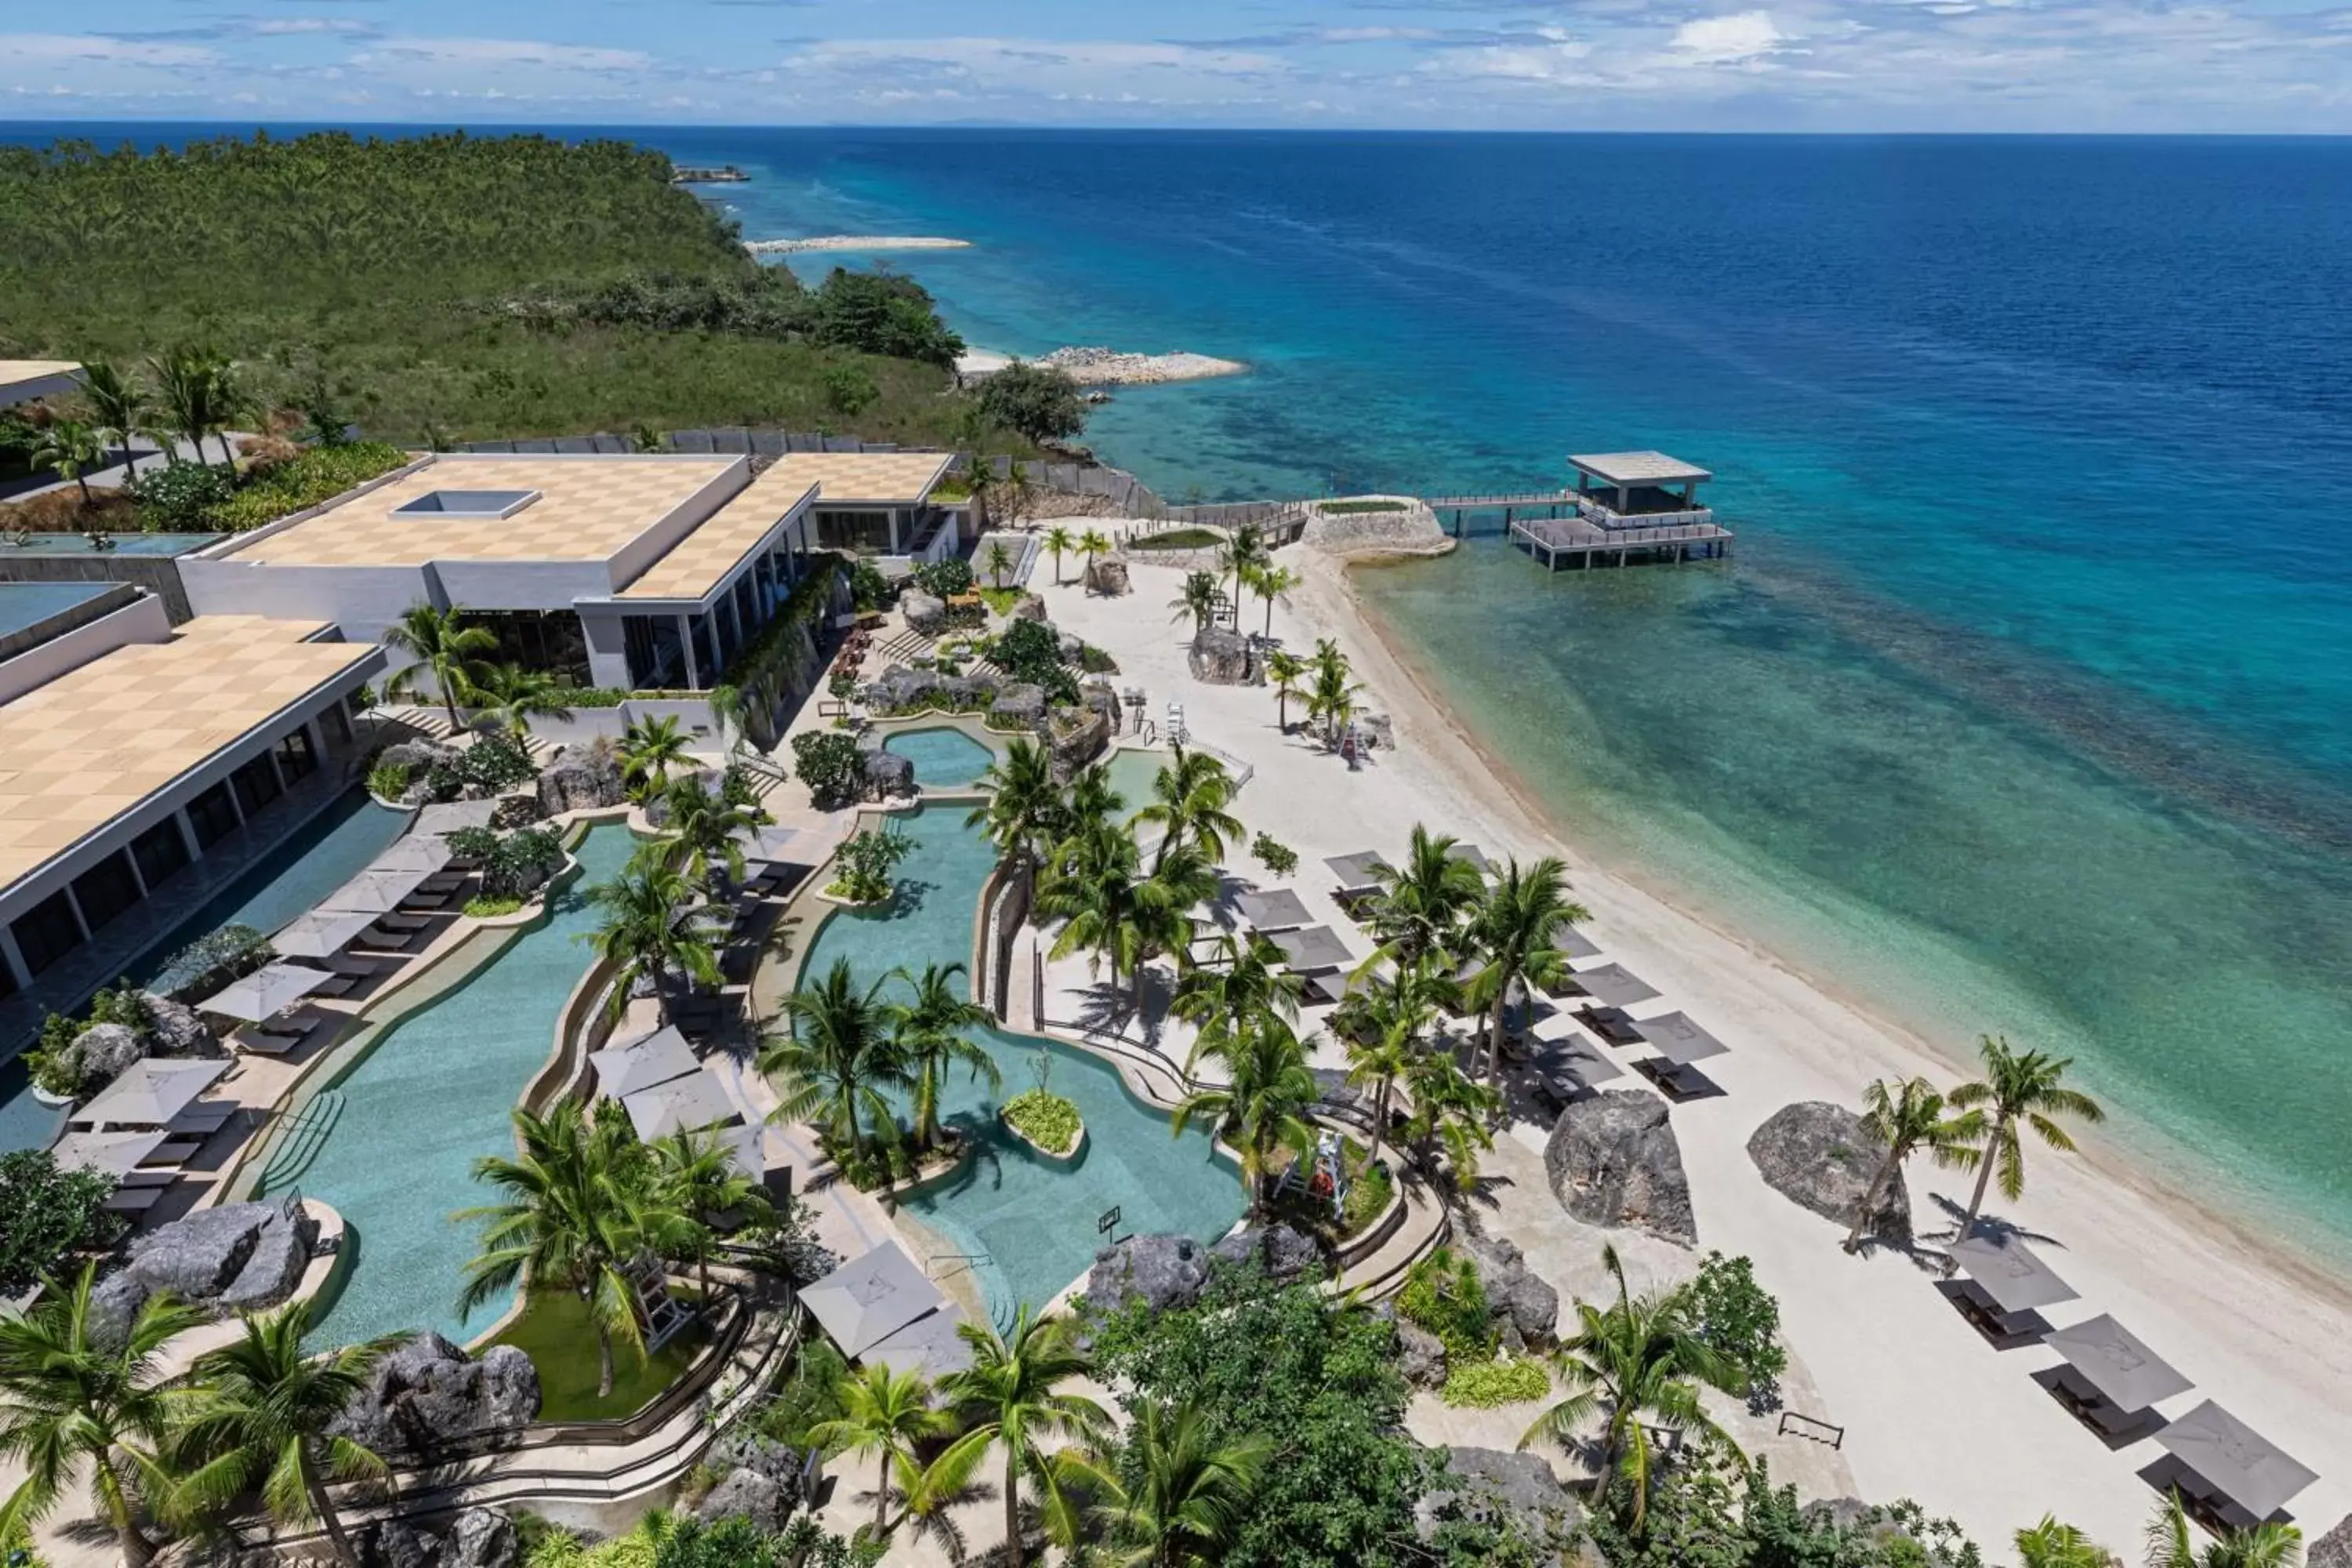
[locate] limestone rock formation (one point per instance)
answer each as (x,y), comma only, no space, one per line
(1613,1160)
(1524,1308)
(1496,1487)
(1077,738)
(887,774)
(477,1538)
(1164,1271)
(1283,1253)
(1029,607)
(582,778)
(238,1257)
(1820,1155)
(1218,657)
(1019,706)
(176,1030)
(657,808)
(102,1051)
(1421,1355)
(418,757)
(428,1396)
(926,615)
(2333,1550)
(1107,575)
(899,688)
(762,1500)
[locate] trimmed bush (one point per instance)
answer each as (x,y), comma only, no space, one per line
(1045,1118)
(1484,1385)
(176,496)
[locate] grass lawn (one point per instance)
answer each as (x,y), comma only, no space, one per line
(1350,508)
(1000,600)
(554,1332)
(1178,539)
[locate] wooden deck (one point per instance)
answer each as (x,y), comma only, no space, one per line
(1573,540)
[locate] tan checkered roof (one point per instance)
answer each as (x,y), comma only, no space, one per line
(587,510)
(698,562)
(874,479)
(94,742)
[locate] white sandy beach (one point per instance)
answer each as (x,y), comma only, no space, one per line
(1931,1410)
(854,242)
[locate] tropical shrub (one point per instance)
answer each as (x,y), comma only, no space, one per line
(472,844)
(1045,1118)
(1037,401)
(1442,1294)
(829,764)
(212,960)
(1352,507)
(810,1396)
(868,589)
(522,861)
(1178,539)
(1278,857)
(944,579)
(388,780)
(483,906)
(1742,1320)
(848,390)
(48,1213)
(1484,1385)
(493,762)
(175,498)
(1031,651)
(885,313)
(317,475)
(864,862)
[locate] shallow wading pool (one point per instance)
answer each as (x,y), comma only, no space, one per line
(944,756)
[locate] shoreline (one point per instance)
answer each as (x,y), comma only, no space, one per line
(854,242)
(2114,1151)
(1090,367)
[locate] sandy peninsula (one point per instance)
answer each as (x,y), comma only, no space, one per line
(1929,1408)
(854,242)
(1110,367)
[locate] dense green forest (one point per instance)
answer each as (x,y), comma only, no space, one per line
(456,286)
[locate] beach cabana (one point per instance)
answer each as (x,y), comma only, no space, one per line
(2109,1379)
(450,816)
(1311,951)
(374,891)
(321,933)
(681,1105)
(1613,1025)
(151,1093)
(1472,856)
(656,1059)
(1357,874)
(929,1345)
(2007,1283)
(2239,1475)
(1615,985)
(417,852)
(1574,943)
(267,991)
(870,1298)
(1277,909)
(110,1153)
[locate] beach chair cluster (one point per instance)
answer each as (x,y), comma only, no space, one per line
(145,1126)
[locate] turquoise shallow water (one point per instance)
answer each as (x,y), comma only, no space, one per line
(435,1095)
(944,757)
(1031,1221)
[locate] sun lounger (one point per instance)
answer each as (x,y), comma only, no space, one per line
(133,1200)
(1612,1024)
(262,1044)
(421,899)
(402,922)
(359,967)
(172,1153)
(203,1119)
(146,1178)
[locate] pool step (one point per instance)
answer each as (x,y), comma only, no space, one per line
(300,1142)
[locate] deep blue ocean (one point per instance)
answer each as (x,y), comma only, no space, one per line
(2027,704)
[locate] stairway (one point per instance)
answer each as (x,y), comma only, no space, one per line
(299,1140)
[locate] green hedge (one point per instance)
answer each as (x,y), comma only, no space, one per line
(320,474)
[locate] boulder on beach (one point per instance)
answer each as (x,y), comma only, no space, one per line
(582,778)
(1821,1157)
(1613,1160)
(1107,575)
(1524,1308)
(2333,1550)
(1218,657)
(428,1396)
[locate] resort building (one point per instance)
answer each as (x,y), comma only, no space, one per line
(880,503)
(640,571)
(142,767)
(25,380)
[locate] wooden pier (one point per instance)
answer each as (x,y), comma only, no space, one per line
(1623,510)
(1584,544)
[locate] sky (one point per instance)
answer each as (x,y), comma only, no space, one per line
(2225,66)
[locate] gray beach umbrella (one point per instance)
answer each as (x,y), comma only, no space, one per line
(265,992)
(2246,1467)
(374,891)
(423,852)
(451,817)
(320,934)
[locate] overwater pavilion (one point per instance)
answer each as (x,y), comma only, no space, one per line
(1627,507)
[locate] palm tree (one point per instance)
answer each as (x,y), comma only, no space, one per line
(2026,1087)
(1199,600)
(1261,1107)
(441,646)
(119,404)
(1188,796)
(1183,880)
(1908,1118)
(2170,1543)
(698,1180)
(835,1059)
(1512,932)
(70,1397)
(1058,540)
(1013,1395)
(1024,809)
(68,448)
(1185,1507)
(888,1414)
(230,399)
(1000,562)
(1092,888)
(927,1032)
(704,831)
(1244,552)
(1638,1360)
(1288,671)
(514,696)
(2050,1545)
(188,388)
(1270,582)
(573,1218)
(1332,696)
(259,1416)
(1450,1116)
(652,929)
(649,749)
(1244,981)
(1092,547)
(1423,907)
(1093,805)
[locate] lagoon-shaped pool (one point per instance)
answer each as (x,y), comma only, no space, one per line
(1032,1222)
(944,757)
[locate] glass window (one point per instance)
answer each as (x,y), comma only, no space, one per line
(161,853)
(7,981)
(47,932)
(295,758)
(106,889)
(213,814)
(256,784)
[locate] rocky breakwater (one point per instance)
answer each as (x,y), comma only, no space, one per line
(1613,1160)
(1822,1157)
(1388,525)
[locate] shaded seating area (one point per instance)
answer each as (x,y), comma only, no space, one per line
(262,1000)
(1614,984)
(1473,856)
(159,1093)
(143,1163)
(1682,1043)
(450,816)
(2228,1475)
(2007,1285)
(2109,1379)
(881,1304)
(1315,950)
(643,1063)
(1574,943)
(1568,1070)
(685,1104)
(1613,1025)
(1275,909)
(1358,876)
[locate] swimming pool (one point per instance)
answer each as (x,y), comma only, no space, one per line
(944,756)
(1034,1221)
(434,1096)
(1132,771)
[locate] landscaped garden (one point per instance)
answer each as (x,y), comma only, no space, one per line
(557,1330)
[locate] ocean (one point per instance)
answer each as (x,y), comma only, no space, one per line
(2026,705)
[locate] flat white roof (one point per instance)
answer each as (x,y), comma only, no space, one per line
(1638,469)
(699,563)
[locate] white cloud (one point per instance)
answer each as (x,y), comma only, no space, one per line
(69,48)
(287,27)
(507,52)
(1037,64)
(1726,40)
(1558,56)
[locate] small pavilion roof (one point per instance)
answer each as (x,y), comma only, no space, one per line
(2128,1374)
(2011,1273)
(1638,469)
